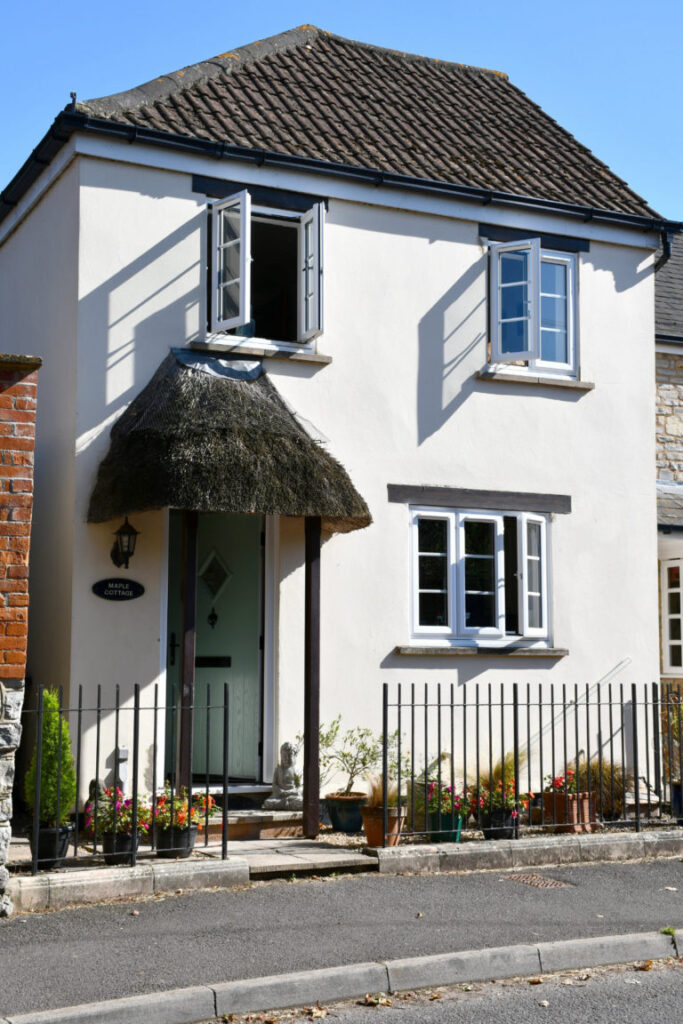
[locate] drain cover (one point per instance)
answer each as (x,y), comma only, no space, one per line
(538,881)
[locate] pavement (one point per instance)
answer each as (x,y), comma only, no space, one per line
(186,958)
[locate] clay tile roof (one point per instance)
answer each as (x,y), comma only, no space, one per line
(310,94)
(669,293)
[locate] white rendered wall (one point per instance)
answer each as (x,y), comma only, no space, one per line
(38,300)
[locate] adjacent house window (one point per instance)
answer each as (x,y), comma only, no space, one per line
(533,307)
(672,636)
(266,271)
(479,576)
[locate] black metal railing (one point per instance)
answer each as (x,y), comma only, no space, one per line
(156,808)
(513,758)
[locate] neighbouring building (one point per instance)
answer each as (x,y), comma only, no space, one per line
(18,382)
(360,342)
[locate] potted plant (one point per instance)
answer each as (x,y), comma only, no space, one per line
(57,785)
(113,824)
(176,826)
(564,805)
(372,813)
(447,810)
(356,753)
(495,802)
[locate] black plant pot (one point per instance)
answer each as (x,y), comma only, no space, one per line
(498,824)
(117,847)
(53,845)
(677,802)
(344,811)
(176,842)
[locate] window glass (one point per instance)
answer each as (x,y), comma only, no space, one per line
(433,571)
(480,574)
(672,621)
(553,312)
(229,263)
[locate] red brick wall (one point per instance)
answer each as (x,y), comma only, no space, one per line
(18,383)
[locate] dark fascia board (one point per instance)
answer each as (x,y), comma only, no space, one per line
(69,121)
(463,497)
(561,243)
(669,339)
(219,188)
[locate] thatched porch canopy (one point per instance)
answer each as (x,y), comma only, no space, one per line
(214,435)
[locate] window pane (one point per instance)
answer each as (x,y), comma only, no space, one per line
(514,267)
(229,225)
(480,610)
(553,311)
(674,604)
(432,572)
(535,611)
(674,629)
(514,335)
(534,575)
(479,574)
(513,301)
(533,540)
(675,655)
(554,346)
(432,535)
(479,538)
(433,610)
(511,576)
(674,576)
(553,278)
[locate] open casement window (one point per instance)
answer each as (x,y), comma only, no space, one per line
(671,621)
(266,273)
(533,299)
(480,577)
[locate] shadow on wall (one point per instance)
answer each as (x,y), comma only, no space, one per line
(443,347)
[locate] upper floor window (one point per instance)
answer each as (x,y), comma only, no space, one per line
(266,270)
(533,307)
(479,575)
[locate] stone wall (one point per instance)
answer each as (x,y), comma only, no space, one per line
(669,417)
(18,382)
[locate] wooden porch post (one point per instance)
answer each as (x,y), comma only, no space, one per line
(188,644)
(311,817)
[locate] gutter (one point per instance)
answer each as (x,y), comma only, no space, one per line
(70,121)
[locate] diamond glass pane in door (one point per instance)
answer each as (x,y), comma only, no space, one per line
(480,574)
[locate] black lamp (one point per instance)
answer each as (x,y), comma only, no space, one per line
(124,544)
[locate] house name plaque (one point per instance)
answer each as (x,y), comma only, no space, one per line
(118,589)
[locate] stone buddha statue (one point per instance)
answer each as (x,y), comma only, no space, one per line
(286,795)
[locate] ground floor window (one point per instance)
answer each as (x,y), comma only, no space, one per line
(672,637)
(479,576)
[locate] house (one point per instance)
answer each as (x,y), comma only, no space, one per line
(357,346)
(669,357)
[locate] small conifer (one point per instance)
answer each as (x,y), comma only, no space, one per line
(57,767)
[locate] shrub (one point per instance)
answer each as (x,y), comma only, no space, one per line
(56,767)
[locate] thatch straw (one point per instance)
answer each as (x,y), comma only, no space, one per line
(193,440)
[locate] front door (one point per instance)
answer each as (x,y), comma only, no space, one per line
(228,642)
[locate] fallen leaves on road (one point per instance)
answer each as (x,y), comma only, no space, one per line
(544,1002)
(434,995)
(646,965)
(670,888)
(535,981)
(379,999)
(316,1012)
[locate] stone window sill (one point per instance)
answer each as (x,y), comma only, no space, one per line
(496,377)
(514,651)
(261,351)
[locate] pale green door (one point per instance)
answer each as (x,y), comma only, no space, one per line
(228,640)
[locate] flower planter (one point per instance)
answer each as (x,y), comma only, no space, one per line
(53,845)
(572,813)
(373,823)
(117,847)
(440,830)
(176,842)
(497,824)
(344,811)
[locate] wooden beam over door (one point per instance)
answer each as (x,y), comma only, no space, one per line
(311,817)
(188,644)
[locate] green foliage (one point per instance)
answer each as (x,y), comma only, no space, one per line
(357,753)
(667,931)
(489,781)
(55,773)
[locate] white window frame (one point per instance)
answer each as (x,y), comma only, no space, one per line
(532,355)
(667,668)
(310,225)
(457,633)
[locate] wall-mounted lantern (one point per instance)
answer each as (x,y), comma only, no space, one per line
(124,544)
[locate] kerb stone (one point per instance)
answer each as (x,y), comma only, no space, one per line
(454,968)
(282,990)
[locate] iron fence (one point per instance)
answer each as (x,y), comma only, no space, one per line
(522,758)
(103,747)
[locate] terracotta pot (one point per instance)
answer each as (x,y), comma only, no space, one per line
(572,813)
(373,823)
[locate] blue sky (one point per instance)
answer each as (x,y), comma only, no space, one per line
(608,71)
